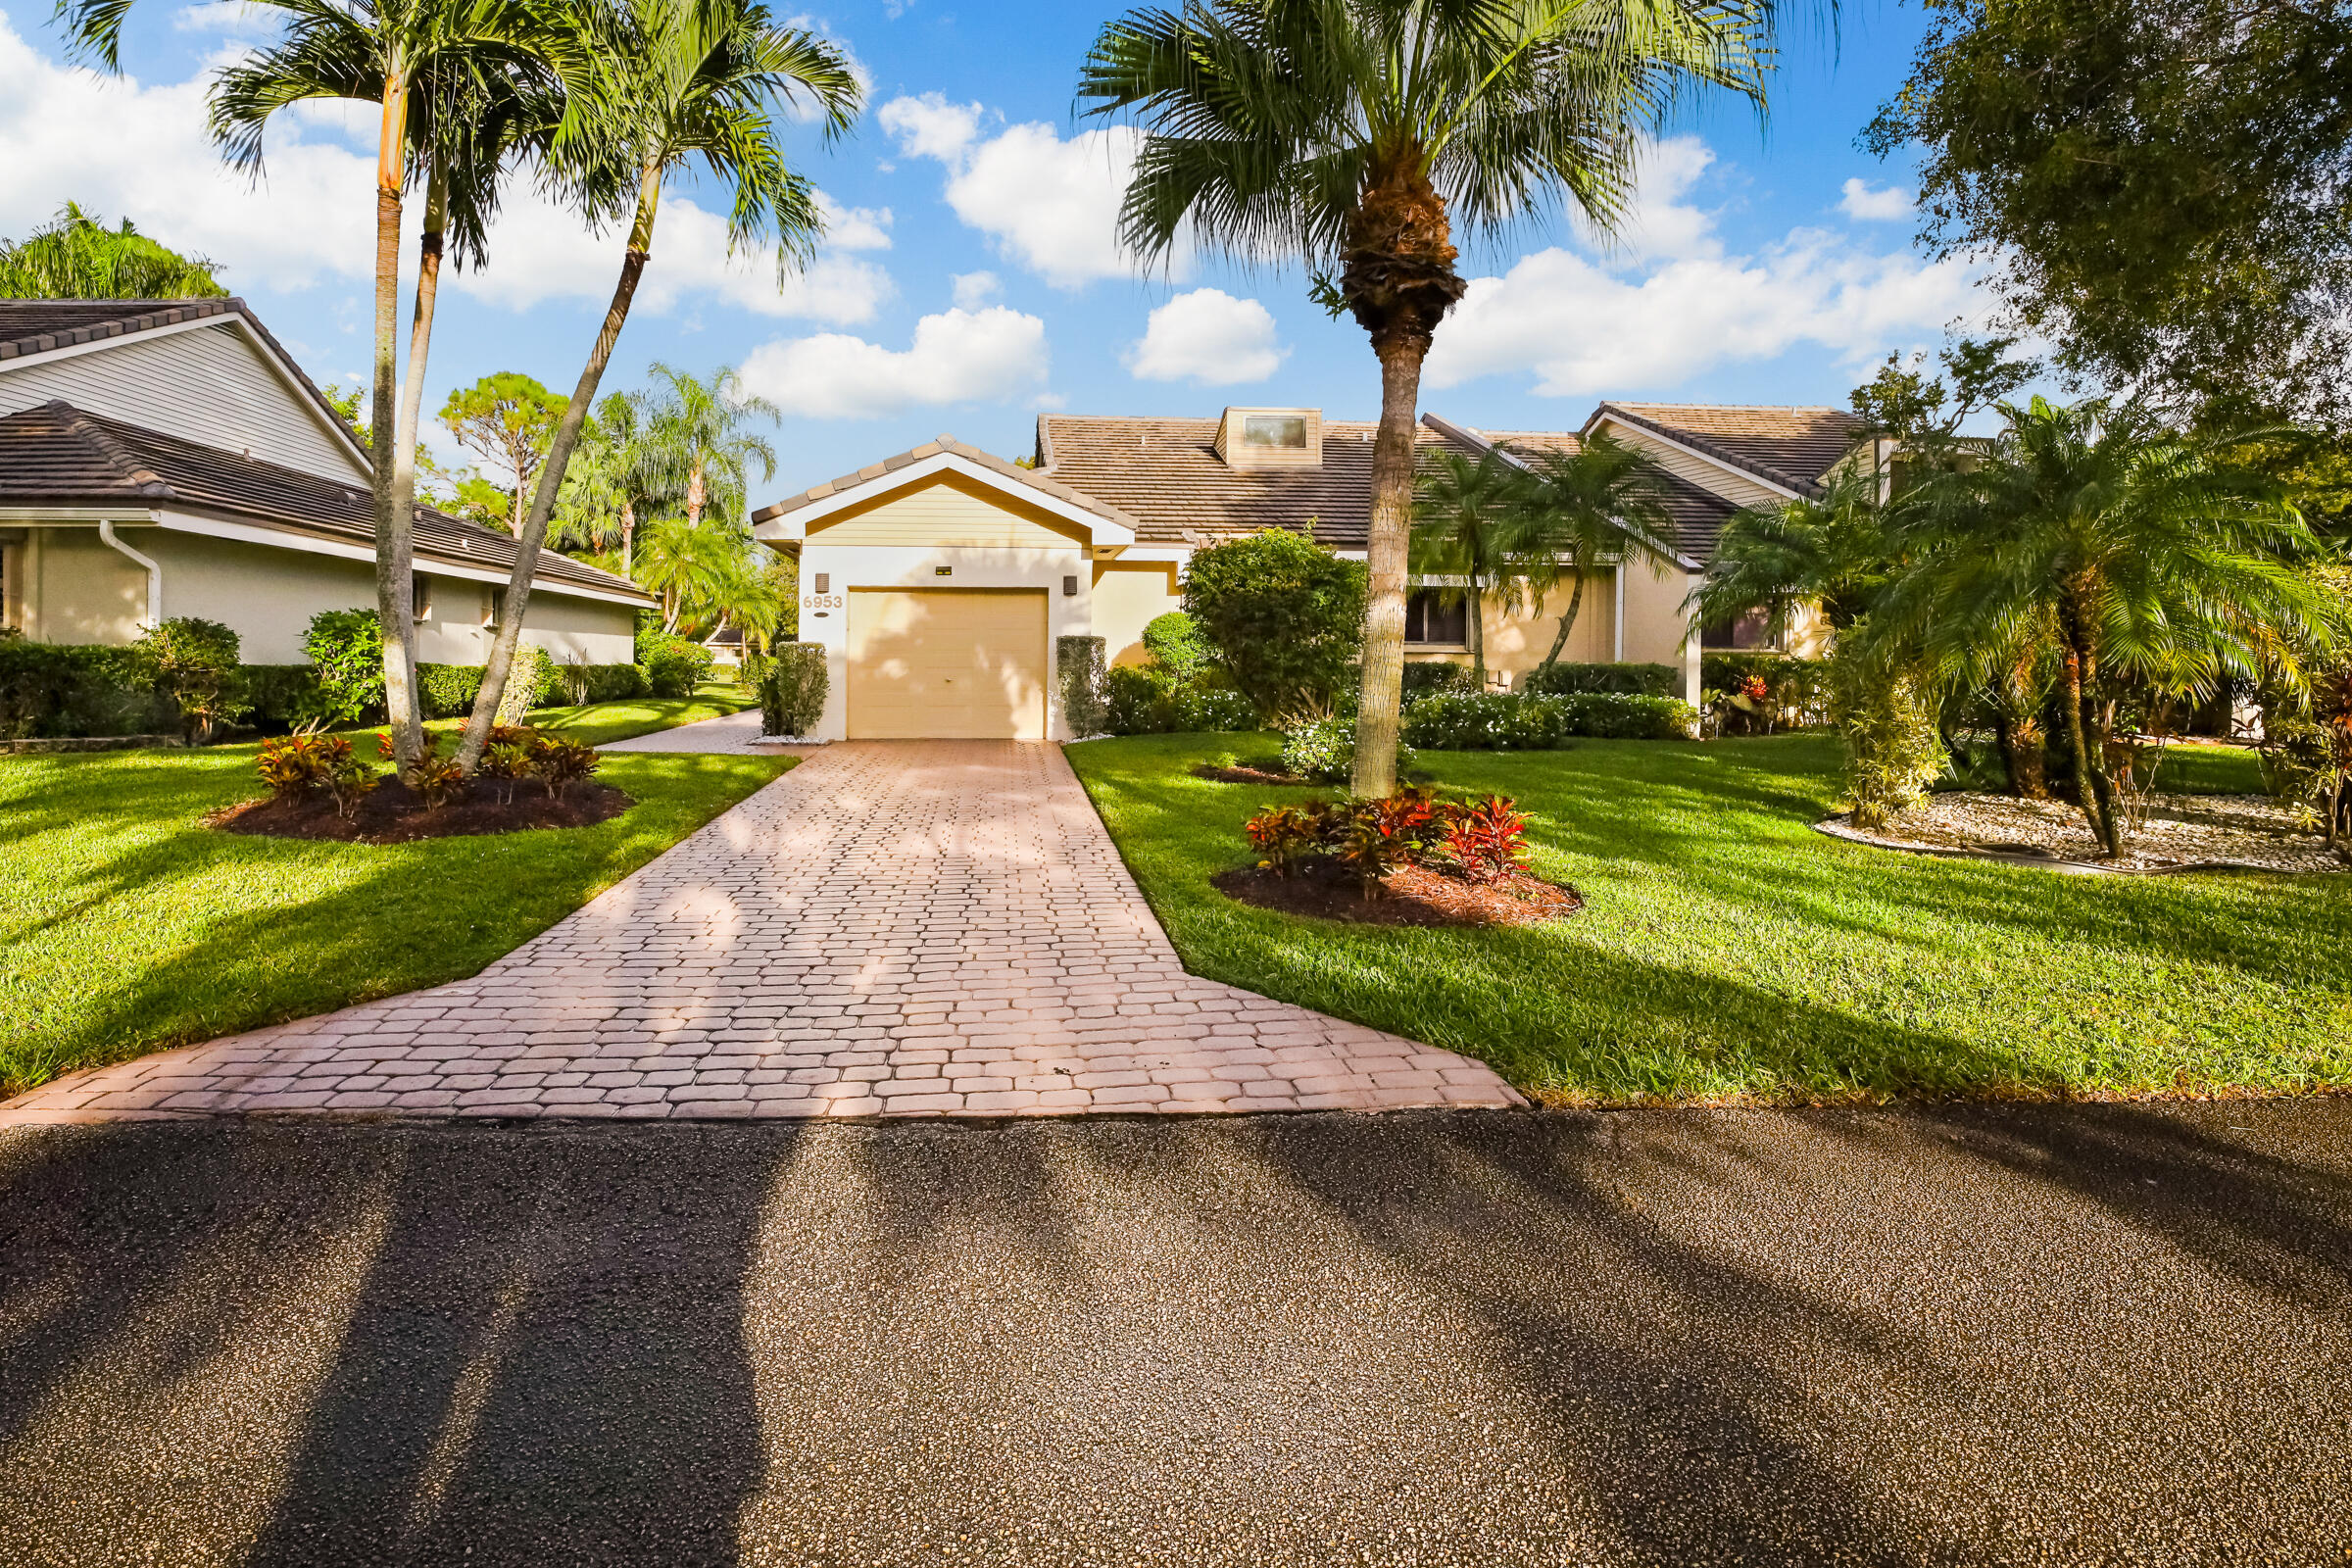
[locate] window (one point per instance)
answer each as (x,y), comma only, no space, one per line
(1752,633)
(1282,430)
(1437,615)
(422,591)
(494,606)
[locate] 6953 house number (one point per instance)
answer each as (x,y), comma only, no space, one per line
(819,604)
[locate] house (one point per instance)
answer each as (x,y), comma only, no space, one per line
(939,580)
(167,458)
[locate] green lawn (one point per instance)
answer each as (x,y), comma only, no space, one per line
(127,926)
(1729,952)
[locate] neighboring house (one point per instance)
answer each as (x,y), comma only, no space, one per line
(939,580)
(167,458)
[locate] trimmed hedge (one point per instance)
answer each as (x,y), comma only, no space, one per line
(675,665)
(448,691)
(1078,663)
(1143,699)
(1505,721)
(61,690)
(280,695)
(1630,680)
(1620,716)
(792,694)
(1423,678)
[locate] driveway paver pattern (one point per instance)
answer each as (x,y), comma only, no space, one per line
(893,928)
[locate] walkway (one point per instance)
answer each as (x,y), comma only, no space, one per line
(924,927)
(736,733)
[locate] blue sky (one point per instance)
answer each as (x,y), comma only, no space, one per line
(973,281)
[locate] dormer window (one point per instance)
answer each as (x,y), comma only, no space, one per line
(1271,438)
(1283,430)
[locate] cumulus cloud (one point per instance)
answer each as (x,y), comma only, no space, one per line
(1049,204)
(992,355)
(1210,338)
(974,289)
(1866,205)
(226,17)
(1662,221)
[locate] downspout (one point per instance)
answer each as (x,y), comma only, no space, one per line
(155,574)
(1618,621)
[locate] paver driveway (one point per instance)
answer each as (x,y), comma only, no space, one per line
(893,928)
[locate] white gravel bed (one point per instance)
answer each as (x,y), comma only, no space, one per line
(2180,830)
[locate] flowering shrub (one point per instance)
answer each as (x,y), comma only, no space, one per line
(1486,838)
(1484,721)
(1324,750)
(1609,715)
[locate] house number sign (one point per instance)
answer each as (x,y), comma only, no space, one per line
(823,600)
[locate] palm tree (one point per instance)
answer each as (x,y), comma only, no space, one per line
(617,472)
(699,428)
(2130,551)
(659,83)
(1828,549)
(1464,511)
(691,569)
(461,90)
(1353,134)
(1598,506)
(78,257)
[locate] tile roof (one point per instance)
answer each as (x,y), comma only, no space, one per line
(1166,475)
(1697,516)
(1031,477)
(1791,446)
(39,326)
(58,454)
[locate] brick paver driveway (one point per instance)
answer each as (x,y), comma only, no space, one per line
(892,928)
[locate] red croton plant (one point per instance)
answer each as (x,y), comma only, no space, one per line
(1482,841)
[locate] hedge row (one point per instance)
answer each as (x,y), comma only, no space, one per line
(1459,721)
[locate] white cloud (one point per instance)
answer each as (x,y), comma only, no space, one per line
(1661,222)
(1210,338)
(1866,205)
(1049,204)
(974,289)
(995,355)
(854,228)
(226,16)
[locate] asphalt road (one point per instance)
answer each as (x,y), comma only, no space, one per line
(2099,1334)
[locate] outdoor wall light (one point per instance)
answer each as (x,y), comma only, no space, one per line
(943,572)
(1069,587)
(824,581)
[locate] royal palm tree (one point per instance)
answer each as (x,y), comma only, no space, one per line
(1599,506)
(1465,513)
(655,84)
(78,257)
(1354,134)
(2131,552)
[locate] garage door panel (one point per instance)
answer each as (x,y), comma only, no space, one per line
(953,664)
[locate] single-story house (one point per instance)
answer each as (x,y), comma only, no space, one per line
(939,580)
(167,458)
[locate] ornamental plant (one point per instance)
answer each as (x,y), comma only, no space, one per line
(1382,836)
(559,764)
(506,764)
(1286,836)
(1486,840)
(193,662)
(293,766)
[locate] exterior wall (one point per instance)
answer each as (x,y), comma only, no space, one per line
(1712,477)
(78,590)
(208,384)
(824,617)
(1128,597)
(949,511)
(1517,644)
(1657,629)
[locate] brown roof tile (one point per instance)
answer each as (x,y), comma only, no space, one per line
(1791,447)
(58,454)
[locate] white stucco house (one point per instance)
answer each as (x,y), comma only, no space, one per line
(167,457)
(938,580)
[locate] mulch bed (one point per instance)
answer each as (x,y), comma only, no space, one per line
(392,813)
(1414,896)
(1242,773)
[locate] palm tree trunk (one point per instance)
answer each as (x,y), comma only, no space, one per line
(628,536)
(411,399)
(1575,603)
(551,472)
(2090,766)
(1377,716)
(695,494)
(395,551)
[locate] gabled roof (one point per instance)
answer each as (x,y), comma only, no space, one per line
(30,328)
(1695,515)
(1789,448)
(1166,475)
(58,454)
(942,453)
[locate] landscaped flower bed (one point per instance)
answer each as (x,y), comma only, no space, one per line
(321,788)
(1411,860)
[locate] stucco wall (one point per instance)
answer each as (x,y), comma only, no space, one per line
(1655,623)
(1129,595)
(1516,643)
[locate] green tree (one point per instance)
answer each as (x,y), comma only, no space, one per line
(2133,553)
(667,84)
(1283,616)
(507,420)
(1600,507)
(699,433)
(618,474)
(1467,513)
(2160,187)
(1354,134)
(77,257)
(1826,550)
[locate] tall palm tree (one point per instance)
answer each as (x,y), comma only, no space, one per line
(461,89)
(657,84)
(1353,134)
(1599,506)
(2131,552)
(78,257)
(1464,513)
(617,472)
(699,426)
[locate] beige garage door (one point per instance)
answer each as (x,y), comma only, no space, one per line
(962,664)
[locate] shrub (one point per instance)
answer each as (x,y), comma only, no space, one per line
(507,764)
(1892,749)
(792,701)
(293,766)
(559,764)
(1609,715)
(1461,722)
(751,669)
(1174,643)
(1207,707)
(1423,678)
(1137,700)
(616,683)
(447,691)
(432,776)
(1078,663)
(346,648)
(1630,680)
(530,682)
(1380,836)
(1486,838)
(1282,616)
(352,781)
(1324,750)
(1285,836)
(51,689)
(1794,694)
(673,666)
(190,663)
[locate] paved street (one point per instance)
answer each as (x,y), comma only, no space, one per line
(2039,1335)
(892,928)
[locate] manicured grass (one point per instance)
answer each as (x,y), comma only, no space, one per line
(602,723)
(1726,952)
(127,926)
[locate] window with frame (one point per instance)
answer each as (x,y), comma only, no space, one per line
(1750,633)
(1438,615)
(1275,431)
(421,596)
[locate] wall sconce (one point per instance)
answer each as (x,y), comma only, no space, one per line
(824,582)
(1069,587)
(943,572)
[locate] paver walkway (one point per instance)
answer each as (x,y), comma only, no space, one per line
(736,733)
(893,928)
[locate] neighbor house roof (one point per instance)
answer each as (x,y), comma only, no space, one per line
(947,445)
(43,326)
(58,454)
(1789,447)
(1696,516)
(1166,475)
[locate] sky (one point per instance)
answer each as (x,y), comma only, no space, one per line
(971,277)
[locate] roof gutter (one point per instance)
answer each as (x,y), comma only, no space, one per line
(155,573)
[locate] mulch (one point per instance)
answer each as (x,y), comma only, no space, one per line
(1243,773)
(1416,896)
(393,814)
